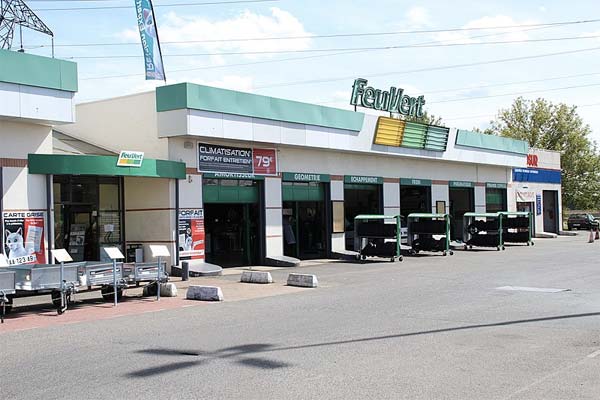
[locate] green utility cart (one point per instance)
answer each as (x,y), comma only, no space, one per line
(374,237)
(517,227)
(423,227)
(483,230)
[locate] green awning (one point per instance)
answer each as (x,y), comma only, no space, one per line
(59,164)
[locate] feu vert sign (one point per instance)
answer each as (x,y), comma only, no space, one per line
(130,159)
(394,100)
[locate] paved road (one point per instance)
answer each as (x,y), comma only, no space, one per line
(427,328)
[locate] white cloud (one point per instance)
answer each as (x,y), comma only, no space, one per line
(513,34)
(542,9)
(418,16)
(279,23)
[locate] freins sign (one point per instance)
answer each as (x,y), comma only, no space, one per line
(393,100)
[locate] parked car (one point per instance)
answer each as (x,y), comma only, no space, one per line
(582,221)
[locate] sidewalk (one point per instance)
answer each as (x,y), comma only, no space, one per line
(38,311)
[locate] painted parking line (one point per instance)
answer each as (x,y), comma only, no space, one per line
(594,354)
(532,289)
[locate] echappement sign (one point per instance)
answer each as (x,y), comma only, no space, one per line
(241,160)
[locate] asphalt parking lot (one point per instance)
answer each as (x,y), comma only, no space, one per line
(519,324)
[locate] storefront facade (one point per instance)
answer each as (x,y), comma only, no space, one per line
(277,180)
(537,189)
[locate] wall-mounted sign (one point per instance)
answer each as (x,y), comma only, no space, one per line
(393,100)
(369,180)
(525,196)
(538,204)
(190,227)
(24,237)
(130,158)
(217,158)
(305,177)
(460,184)
(415,182)
(536,175)
(494,185)
(232,175)
(532,160)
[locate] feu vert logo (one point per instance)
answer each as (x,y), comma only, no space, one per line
(130,159)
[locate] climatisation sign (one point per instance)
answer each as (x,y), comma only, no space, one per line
(130,159)
(391,101)
(236,160)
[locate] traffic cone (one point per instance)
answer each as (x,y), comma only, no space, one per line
(591,237)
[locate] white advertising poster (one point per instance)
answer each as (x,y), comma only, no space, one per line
(24,237)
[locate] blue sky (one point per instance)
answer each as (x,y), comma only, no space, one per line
(489,86)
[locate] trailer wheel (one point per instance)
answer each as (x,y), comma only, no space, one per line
(363,257)
(451,253)
(466,247)
(56,295)
(108,293)
(444,253)
(401,258)
(503,247)
(8,305)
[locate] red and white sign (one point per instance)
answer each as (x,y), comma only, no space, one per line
(265,161)
(24,237)
(532,160)
(191,234)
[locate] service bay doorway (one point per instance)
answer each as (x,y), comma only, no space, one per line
(232,221)
(304,219)
(462,200)
(360,199)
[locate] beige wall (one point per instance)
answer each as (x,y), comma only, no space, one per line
(150,213)
(122,123)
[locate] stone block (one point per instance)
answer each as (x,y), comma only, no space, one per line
(204,293)
(168,290)
(256,277)
(303,280)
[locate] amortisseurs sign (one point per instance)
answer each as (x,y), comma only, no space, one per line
(130,159)
(393,100)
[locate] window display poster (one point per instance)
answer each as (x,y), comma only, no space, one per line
(191,234)
(24,237)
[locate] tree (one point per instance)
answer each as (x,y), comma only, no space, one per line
(557,127)
(424,119)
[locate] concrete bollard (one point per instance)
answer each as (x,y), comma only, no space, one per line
(168,289)
(204,293)
(302,280)
(185,271)
(256,277)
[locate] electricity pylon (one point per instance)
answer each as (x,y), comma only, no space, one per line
(15,13)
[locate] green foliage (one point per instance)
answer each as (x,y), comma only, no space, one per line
(425,119)
(557,127)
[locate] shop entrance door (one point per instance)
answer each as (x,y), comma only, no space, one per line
(360,199)
(462,200)
(80,231)
(550,211)
(527,207)
(304,220)
(232,222)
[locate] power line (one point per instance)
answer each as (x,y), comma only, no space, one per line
(322,36)
(211,3)
(515,93)
(427,69)
(492,115)
(286,59)
(408,46)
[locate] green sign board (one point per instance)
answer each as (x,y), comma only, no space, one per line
(391,101)
(305,177)
(460,184)
(493,185)
(370,180)
(232,175)
(415,182)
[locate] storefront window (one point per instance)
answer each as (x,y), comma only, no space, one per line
(495,200)
(87,215)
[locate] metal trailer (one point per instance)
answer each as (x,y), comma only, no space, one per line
(38,279)
(517,227)
(421,229)
(371,232)
(483,230)
(101,274)
(7,288)
(136,273)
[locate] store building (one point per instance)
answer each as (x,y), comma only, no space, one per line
(537,189)
(226,177)
(268,178)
